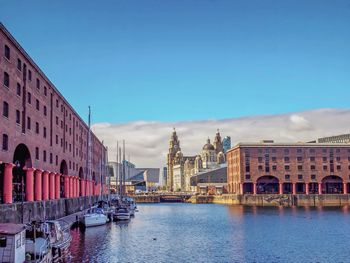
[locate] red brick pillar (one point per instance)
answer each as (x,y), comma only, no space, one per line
(77,184)
(45,185)
(57,186)
(74,186)
(280,189)
(78,187)
(319,188)
(8,186)
(86,183)
(30,184)
(345,189)
(66,186)
(38,185)
(241,188)
(70,182)
(254,188)
(52,186)
(307,188)
(294,188)
(82,187)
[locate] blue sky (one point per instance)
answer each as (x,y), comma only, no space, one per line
(188,60)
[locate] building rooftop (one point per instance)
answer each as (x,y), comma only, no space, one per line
(11,229)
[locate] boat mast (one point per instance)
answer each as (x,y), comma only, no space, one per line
(89,154)
(124,167)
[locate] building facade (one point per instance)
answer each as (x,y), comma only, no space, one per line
(47,151)
(288,168)
(181,168)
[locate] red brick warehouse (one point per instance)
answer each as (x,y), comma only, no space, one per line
(44,142)
(289,168)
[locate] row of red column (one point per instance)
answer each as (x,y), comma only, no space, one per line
(294,191)
(47,185)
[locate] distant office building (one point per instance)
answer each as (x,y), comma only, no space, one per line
(165,176)
(226,143)
(342,138)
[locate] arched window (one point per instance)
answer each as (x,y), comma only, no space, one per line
(5,142)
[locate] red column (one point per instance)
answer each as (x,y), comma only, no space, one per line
(30,184)
(78,187)
(345,189)
(8,187)
(319,188)
(294,188)
(57,186)
(70,186)
(77,183)
(280,189)
(38,185)
(66,186)
(74,186)
(307,188)
(254,188)
(241,188)
(52,186)
(45,185)
(82,186)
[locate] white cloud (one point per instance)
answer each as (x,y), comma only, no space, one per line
(148,142)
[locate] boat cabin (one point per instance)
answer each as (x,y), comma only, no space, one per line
(12,243)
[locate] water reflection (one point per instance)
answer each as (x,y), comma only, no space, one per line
(218,233)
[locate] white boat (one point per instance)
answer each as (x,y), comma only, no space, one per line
(95,217)
(38,248)
(122,214)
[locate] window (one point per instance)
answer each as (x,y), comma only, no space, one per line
(29,75)
(338,167)
(312,151)
(312,159)
(286,151)
(51,159)
(29,98)
(260,159)
(260,167)
(7,52)
(37,104)
(274,167)
(61,142)
(338,158)
(44,132)
(18,89)
(28,123)
(273,150)
(247,176)
(56,103)
(299,151)
(5,109)
(286,167)
(44,156)
(56,139)
(286,159)
(61,124)
(313,177)
(300,176)
(37,127)
(312,167)
(5,142)
(45,111)
(38,83)
(56,159)
(324,150)
(37,153)
(273,159)
(19,64)
(337,150)
(325,167)
(6,79)
(45,91)
(287,176)
(300,167)
(299,159)
(324,159)
(18,117)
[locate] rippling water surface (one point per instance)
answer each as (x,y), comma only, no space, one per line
(218,233)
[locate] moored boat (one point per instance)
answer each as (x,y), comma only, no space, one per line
(95,217)
(121,214)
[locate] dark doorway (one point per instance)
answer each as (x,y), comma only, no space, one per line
(267,185)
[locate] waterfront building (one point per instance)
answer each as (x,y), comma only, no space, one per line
(181,168)
(226,142)
(213,181)
(165,176)
(342,138)
(289,168)
(47,151)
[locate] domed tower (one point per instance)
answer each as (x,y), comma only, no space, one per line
(218,143)
(208,155)
(174,147)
